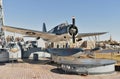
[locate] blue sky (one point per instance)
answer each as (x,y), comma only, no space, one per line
(91,15)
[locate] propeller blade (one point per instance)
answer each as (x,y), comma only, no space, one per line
(73,38)
(73,21)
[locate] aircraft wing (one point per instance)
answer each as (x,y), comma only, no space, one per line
(31,33)
(47,36)
(90,34)
(66,36)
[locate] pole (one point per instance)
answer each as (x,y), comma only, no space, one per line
(2,36)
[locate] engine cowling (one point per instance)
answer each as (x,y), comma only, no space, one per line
(73,30)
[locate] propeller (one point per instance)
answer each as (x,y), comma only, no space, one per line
(73,30)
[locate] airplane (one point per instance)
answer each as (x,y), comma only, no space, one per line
(61,32)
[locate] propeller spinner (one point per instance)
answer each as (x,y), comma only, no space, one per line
(73,30)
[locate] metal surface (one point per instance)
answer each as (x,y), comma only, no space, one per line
(90,62)
(88,66)
(65,51)
(4,55)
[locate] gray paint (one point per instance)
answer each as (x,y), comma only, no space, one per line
(88,66)
(4,55)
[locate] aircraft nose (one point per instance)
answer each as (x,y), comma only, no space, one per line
(73,30)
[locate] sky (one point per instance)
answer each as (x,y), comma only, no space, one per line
(91,15)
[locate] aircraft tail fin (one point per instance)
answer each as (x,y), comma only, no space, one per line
(44,28)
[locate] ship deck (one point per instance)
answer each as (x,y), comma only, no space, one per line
(29,69)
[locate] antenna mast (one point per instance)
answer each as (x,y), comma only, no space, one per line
(1,25)
(1,14)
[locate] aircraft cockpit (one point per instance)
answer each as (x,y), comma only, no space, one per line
(58,28)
